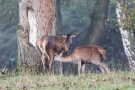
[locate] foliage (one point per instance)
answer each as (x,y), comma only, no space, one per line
(128,13)
(9,13)
(8,23)
(112,81)
(78,13)
(112,42)
(75,17)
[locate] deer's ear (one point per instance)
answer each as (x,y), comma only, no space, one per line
(64,35)
(72,36)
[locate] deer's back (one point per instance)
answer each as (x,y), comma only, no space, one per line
(56,43)
(52,40)
(87,53)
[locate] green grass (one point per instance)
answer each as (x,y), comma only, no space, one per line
(112,81)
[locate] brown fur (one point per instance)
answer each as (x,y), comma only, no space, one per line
(49,46)
(86,54)
(102,51)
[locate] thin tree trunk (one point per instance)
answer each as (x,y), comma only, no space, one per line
(128,38)
(37,18)
(97,26)
(58,65)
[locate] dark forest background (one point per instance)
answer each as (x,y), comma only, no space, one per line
(75,18)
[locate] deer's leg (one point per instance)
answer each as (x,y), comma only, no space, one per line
(97,60)
(44,49)
(102,66)
(39,46)
(79,67)
(43,61)
(50,60)
(102,69)
(105,66)
(83,68)
(61,68)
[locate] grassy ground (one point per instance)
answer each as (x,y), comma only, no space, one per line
(112,81)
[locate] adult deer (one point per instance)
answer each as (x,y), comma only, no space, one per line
(85,54)
(49,46)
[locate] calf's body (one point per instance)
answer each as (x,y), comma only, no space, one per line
(85,54)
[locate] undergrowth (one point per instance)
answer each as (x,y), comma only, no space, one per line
(113,81)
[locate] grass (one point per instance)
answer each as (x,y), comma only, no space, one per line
(112,81)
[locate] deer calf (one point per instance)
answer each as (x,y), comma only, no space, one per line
(85,54)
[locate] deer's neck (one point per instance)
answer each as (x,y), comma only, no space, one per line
(63,58)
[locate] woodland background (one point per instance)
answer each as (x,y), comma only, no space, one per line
(75,18)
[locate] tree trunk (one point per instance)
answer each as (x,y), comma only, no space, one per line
(37,18)
(97,26)
(128,38)
(57,65)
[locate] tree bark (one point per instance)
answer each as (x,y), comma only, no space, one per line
(97,26)
(128,38)
(37,18)
(58,65)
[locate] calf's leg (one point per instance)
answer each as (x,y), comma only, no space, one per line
(97,61)
(105,66)
(83,68)
(79,67)
(61,68)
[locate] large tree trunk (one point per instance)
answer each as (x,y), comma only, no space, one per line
(37,18)
(128,38)
(97,26)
